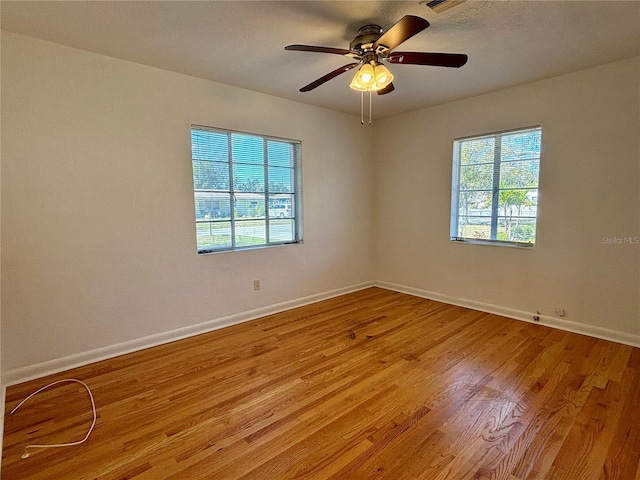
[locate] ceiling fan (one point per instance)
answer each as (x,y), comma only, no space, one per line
(371,47)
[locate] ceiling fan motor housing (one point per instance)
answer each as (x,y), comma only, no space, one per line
(367,36)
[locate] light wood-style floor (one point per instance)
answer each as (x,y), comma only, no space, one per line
(370,385)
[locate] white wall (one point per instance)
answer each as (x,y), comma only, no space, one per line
(98,242)
(589,189)
(98,226)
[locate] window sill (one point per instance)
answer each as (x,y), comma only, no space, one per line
(494,243)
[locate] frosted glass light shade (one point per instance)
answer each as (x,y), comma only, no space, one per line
(383,76)
(356,85)
(366,75)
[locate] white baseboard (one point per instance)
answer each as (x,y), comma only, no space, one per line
(23,374)
(561,324)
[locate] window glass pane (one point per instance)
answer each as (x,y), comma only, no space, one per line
(207,145)
(281,206)
(476,177)
(515,202)
(213,235)
(521,145)
(247,149)
(519,174)
(279,154)
(210,175)
(250,233)
(474,227)
(477,151)
(212,206)
(248,205)
(280,180)
(281,230)
(530,206)
(281,210)
(475,203)
(516,229)
(248,178)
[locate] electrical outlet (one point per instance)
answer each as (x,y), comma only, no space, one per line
(560,312)
(256,284)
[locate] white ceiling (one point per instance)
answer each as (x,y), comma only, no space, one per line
(242,43)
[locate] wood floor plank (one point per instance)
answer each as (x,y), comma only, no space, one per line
(375,384)
(624,450)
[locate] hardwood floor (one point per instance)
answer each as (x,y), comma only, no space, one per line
(370,385)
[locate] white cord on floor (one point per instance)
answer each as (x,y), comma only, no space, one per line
(93,407)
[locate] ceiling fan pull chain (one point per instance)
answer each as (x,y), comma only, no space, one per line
(362,108)
(370,100)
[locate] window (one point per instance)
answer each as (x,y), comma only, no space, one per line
(494,195)
(246,190)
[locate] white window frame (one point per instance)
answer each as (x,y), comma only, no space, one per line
(296,195)
(494,190)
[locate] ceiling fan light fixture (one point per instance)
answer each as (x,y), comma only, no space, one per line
(371,78)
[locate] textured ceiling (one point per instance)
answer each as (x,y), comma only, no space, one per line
(242,43)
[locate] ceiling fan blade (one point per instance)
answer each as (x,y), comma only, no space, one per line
(328,77)
(406,28)
(388,89)
(454,60)
(312,48)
